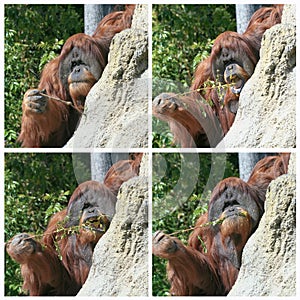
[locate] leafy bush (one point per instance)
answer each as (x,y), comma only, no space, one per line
(34,35)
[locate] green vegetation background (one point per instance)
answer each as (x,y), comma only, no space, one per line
(182,36)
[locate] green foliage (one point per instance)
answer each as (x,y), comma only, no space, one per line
(182,36)
(36,187)
(34,34)
(161,137)
(168,170)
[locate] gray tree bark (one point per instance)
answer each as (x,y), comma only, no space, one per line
(247,161)
(93,13)
(243,14)
(100,164)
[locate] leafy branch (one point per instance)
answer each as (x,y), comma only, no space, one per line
(211,223)
(62,231)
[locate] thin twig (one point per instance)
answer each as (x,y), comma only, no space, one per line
(213,223)
(227,85)
(62,101)
(68,230)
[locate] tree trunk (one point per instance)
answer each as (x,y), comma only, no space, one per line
(243,14)
(247,161)
(100,164)
(93,13)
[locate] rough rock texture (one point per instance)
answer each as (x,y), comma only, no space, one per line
(116,110)
(120,261)
(269,257)
(267,108)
